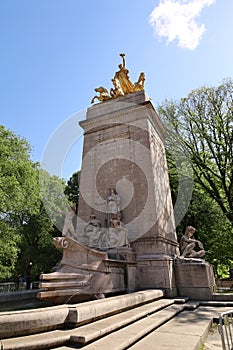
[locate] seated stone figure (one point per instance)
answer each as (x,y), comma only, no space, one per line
(116,235)
(92,232)
(187,245)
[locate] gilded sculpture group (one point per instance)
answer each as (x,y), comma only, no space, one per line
(121,84)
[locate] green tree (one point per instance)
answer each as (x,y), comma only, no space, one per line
(18,192)
(72,189)
(55,202)
(201,127)
(202,212)
(29,209)
(18,178)
(37,250)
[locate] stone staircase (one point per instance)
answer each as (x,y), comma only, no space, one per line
(157,323)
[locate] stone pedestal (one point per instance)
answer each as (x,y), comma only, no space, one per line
(194,278)
(128,257)
(156,270)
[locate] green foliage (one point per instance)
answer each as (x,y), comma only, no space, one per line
(213,229)
(18,192)
(200,126)
(26,230)
(39,228)
(9,239)
(36,245)
(52,195)
(17,174)
(200,135)
(72,189)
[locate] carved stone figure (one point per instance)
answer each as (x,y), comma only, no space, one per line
(68,228)
(116,235)
(113,201)
(92,232)
(113,204)
(187,245)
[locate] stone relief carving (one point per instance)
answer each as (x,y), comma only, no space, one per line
(92,232)
(113,204)
(115,235)
(187,245)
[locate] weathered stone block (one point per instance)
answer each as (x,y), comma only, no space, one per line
(194,278)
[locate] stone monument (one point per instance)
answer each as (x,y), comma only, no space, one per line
(125,233)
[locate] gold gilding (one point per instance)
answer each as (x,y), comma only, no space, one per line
(122,84)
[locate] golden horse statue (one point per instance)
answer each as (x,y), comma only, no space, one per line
(103,94)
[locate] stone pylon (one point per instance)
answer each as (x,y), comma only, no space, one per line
(124,148)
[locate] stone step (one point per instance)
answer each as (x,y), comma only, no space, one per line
(67,284)
(95,330)
(85,333)
(26,322)
(184,332)
(123,338)
(172,327)
(63,276)
(46,340)
(187,331)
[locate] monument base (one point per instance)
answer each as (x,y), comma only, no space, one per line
(156,271)
(85,273)
(194,278)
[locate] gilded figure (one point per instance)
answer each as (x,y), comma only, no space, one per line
(122,85)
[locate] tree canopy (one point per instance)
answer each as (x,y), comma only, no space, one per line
(201,127)
(26,229)
(199,154)
(18,192)
(72,189)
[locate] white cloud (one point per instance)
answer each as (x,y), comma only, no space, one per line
(175,19)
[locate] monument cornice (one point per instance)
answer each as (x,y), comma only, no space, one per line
(157,238)
(128,115)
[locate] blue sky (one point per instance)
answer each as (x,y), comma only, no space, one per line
(55,52)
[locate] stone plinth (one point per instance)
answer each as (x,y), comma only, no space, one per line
(156,270)
(128,258)
(194,278)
